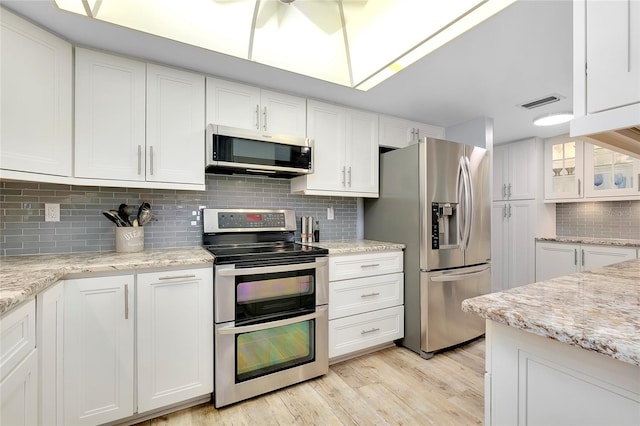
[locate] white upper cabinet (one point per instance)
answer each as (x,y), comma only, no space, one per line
(606,68)
(576,170)
(345,156)
(137,122)
(36,113)
(515,176)
(110,116)
(175,126)
(397,132)
(248,107)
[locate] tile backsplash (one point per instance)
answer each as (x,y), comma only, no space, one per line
(83,228)
(611,219)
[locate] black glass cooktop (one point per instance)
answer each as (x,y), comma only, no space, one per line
(233,253)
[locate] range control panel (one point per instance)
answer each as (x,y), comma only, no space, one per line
(250,220)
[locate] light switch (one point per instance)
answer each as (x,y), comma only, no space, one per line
(51,212)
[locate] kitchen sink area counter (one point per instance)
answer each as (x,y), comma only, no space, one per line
(565,350)
(356,246)
(22,277)
(594,241)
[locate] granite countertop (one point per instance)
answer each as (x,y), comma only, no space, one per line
(356,246)
(597,310)
(589,240)
(22,277)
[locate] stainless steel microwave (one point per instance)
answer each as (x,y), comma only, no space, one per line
(230,150)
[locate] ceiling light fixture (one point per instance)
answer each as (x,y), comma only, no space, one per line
(354,43)
(553,119)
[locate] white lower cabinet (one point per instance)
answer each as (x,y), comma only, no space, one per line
(366,302)
(175,337)
(98,349)
(19,367)
(557,259)
(172,349)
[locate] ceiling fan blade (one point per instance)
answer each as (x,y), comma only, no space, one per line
(323,14)
(268,9)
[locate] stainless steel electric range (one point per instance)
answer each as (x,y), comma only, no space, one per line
(270,303)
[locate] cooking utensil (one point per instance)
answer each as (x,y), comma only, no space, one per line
(144,214)
(124,212)
(112,215)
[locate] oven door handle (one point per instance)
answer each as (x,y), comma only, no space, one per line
(230,329)
(271,269)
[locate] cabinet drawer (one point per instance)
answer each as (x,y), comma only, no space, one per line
(17,336)
(359,295)
(364,265)
(362,331)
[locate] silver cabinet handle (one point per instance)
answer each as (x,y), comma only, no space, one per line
(370,265)
(575,257)
(178,277)
(264,115)
(504,191)
(151,159)
(349,176)
(344,178)
(370,295)
(126,301)
(231,329)
(504,211)
(582,259)
(417,134)
(509,191)
(413,135)
(139,159)
(372,330)
(579,187)
(257,117)
(509,209)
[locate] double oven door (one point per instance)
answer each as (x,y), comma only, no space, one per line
(271,325)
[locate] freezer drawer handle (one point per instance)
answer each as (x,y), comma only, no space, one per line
(457,277)
(372,330)
(371,265)
(370,294)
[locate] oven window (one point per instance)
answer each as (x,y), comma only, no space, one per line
(266,351)
(265,297)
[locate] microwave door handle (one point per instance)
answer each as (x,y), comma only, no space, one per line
(271,324)
(270,269)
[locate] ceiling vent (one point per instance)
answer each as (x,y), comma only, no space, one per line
(542,101)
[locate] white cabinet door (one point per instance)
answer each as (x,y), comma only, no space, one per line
(233,104)
(362,151)
(98,349)
(522,175)
(19,393)
(110,116)
(499,247)
(596,256)
(396,132)
(36,112)
(500,172)
(609,173)
(563,168)
(556,259)
(175,126)
(426,130)
(283,114)
(521,243)
(613,58)
(50,319)
(175,336)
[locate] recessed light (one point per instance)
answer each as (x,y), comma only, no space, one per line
(552,119)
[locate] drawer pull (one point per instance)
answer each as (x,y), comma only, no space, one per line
(370,295)
(374,329)
(371,265)
(178,277)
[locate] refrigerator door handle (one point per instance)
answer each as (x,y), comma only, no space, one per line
(465,190)
(458,277)
(470,204)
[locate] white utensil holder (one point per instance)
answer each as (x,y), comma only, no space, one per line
(129,239)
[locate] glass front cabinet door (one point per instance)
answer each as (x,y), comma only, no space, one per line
(610,174)
(563,176)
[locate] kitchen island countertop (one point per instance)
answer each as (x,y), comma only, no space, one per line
(22,277)
(597,310)
(590,240)
(356,246)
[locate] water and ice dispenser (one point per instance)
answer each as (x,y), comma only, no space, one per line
(444,225)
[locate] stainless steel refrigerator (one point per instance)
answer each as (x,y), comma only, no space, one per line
(434,198)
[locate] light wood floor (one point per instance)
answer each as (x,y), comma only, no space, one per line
(390,387)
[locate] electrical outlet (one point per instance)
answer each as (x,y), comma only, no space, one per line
(51,212)
(330,213)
